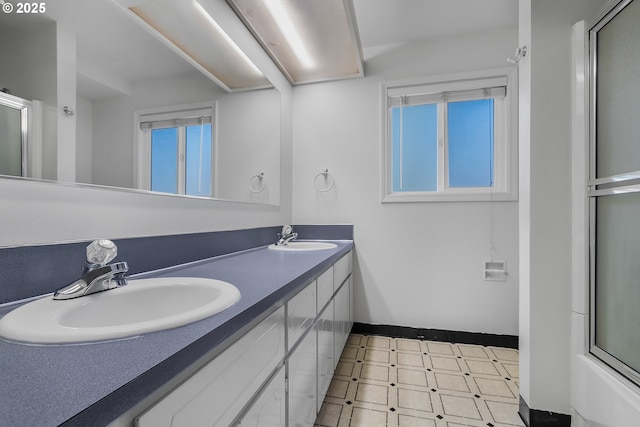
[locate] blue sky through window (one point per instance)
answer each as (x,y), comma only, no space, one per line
(470,143)
(415,148)
(164,160)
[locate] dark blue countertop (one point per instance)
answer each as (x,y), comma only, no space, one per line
(95,383)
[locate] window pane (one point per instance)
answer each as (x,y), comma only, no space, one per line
(470,143)
(618,94)
(164,160)
(199,160)
(617,281)
(415,148)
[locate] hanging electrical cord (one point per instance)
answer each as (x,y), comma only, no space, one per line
(491,187)
(491,222)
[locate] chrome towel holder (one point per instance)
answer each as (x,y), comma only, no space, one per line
(327,177)
(256,183)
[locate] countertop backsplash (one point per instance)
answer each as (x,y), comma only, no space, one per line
(29,271)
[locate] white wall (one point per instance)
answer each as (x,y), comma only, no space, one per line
(84,139)
(29,71)
(248,143)
(545,200)
(418,264)
(66,81)
(29,62)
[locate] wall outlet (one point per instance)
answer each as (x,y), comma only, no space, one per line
(495,271)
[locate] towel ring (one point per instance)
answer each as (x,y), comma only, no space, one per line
(256,179)
(327,177)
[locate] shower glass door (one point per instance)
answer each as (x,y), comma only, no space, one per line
(614,188)
(14,113)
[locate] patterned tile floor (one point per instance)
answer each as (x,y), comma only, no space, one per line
(383,381)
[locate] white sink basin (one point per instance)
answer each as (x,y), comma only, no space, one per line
(144,305)
(304,246)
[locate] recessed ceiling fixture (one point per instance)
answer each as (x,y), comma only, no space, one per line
(310,40)
(188,29)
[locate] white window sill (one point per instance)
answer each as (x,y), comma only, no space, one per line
(419,196)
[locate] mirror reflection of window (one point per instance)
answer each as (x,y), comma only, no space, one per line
(176,151)
(181,160)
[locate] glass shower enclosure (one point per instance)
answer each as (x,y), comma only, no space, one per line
(14,135)
(614,188)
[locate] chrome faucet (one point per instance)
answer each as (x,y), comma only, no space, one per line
(286,235)
(97,276)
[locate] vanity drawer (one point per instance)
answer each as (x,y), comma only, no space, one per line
(326,365)
(301,313)
(269,409)
(218,392)
(341,270)
(325,288)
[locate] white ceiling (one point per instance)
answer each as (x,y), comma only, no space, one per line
(116,45)
(395,22)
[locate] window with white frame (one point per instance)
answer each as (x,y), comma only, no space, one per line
(450,138)
(175,147)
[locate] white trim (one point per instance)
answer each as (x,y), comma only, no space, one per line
(35,140)
(460,80)
(430,94)
(27,127)
(451,195)
(506,136)
(443,149)
(175,108)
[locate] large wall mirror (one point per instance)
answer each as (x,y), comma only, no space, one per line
(108,102)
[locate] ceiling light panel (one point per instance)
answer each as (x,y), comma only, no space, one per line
(310,40)
(192,32)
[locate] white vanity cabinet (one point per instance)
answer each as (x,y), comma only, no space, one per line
(341,270)
(343,304)
(342,319)
(302,365)
(326,358)
(301,313)
(302,359)
(324,330)
(325,288)
(269,409)
(278,373)
(216,394)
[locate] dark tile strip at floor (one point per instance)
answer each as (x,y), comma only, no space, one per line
(456,337)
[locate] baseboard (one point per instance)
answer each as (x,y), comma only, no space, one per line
(537,418)
(507,341)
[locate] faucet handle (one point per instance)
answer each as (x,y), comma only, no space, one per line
(100,252)
(286,230)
